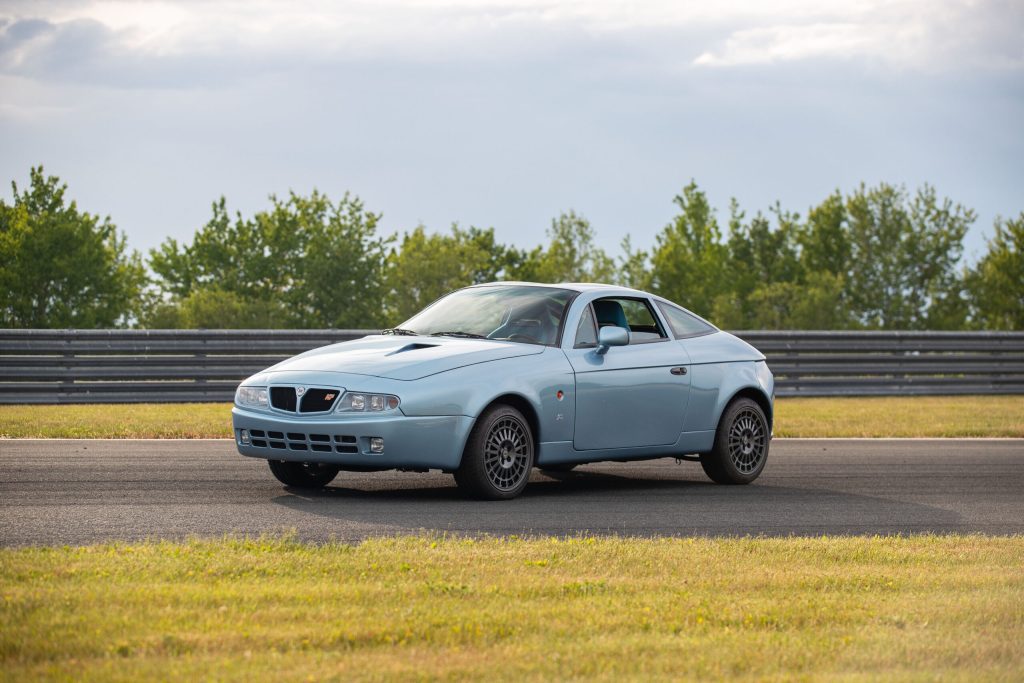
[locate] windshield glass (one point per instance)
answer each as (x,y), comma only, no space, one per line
(531,315)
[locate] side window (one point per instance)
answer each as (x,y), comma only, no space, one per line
(586,333)
(682,323)
(634,314)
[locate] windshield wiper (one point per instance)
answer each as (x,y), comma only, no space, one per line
(399,332)
(463,335)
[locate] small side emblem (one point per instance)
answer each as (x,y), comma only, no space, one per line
(299,391)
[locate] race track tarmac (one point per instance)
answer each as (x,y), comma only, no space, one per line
(77,492)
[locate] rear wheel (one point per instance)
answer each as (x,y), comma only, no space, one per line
(498,457)
(303,475)
(741,444)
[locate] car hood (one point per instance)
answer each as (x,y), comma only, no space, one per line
(403,358)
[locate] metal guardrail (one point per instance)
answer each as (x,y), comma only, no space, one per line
(162,366)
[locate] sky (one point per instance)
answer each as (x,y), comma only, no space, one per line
(506,113)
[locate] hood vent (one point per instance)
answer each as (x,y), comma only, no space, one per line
(415,346)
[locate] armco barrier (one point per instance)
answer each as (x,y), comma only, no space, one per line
(155,366)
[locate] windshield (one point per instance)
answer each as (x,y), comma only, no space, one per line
(510,313)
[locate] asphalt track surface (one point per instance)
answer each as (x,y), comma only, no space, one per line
(77,492)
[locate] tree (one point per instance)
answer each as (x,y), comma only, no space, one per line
(427,266)
(62,267)
(689,259)
(902,271)
(633,268)
(571,255)
(996,284)
(313,262)
(212,308)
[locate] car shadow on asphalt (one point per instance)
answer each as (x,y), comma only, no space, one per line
(609,503)
(540,486)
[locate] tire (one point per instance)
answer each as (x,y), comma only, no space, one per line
(741,444)
(303,475)
(498,457)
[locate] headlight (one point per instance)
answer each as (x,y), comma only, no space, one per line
(252,396)
(355,402)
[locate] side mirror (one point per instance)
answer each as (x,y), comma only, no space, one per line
(611,336)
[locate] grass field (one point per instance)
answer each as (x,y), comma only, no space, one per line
(937,416)
(917,608)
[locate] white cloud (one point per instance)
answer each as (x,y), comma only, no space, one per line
(906,34)
(932,34)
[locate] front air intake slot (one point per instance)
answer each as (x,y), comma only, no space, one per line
(283,398)
(318,400)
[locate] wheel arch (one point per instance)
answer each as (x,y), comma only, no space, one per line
(524,406)
(755,394)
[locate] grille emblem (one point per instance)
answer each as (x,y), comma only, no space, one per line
(299,391)
(329,397)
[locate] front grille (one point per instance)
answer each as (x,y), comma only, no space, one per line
(300,441)
(283,398)
(318,400)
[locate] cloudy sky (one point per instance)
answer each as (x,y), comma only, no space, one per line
(506,112)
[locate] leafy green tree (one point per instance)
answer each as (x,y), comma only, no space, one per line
(824,239)
(313,262)
(903,258)
(633,268)
(689,259)
(62,267)
(426,266)
(996,284)
(759,258)
(213,308)
(571,255)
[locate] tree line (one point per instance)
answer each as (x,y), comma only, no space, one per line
(878,257)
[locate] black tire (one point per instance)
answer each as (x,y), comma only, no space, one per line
(499,455)
(741,444)
(303,475)
(560,468)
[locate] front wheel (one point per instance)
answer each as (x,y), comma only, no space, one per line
(741,444)
(498,457)
(303,475)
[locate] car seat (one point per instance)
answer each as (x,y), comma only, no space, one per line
(610,312)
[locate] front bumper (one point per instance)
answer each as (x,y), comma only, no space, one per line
(434,442)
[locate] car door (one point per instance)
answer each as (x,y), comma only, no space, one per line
(628,396)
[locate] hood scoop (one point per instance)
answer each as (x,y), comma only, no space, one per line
(415,346)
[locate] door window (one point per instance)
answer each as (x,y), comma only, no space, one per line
(636,314)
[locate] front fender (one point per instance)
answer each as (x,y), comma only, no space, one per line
(468,390)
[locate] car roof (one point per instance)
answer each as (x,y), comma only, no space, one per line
(575,286)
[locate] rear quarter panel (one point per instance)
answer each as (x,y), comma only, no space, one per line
(721,366)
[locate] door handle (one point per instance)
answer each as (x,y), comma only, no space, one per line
(678,371)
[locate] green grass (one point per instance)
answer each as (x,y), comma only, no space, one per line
(916,608)
(935,416)
(918,416)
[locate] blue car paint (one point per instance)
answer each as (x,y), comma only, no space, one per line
(620,405)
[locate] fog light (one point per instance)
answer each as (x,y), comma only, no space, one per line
(376,444)
(243,436)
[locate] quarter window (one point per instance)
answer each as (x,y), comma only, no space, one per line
(682,323)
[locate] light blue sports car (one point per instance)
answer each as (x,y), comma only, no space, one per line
(493,380)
